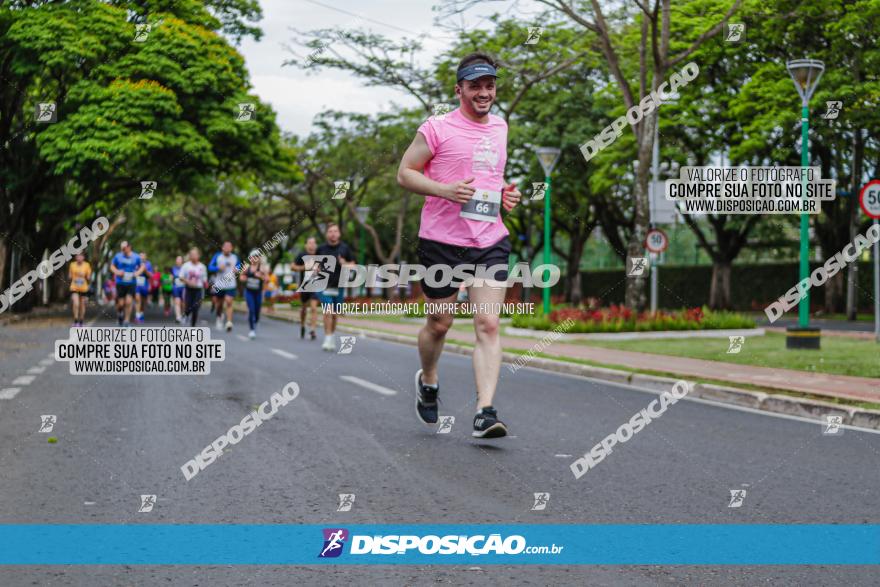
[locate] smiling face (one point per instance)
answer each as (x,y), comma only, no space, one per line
(476,96)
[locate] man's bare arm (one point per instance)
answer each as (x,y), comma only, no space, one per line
(410,175)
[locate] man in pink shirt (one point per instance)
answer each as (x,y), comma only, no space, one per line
(457,162)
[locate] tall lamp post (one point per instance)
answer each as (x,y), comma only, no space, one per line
(548,157)
(362,212)
(806,74)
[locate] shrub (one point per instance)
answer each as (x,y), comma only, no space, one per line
(622,319)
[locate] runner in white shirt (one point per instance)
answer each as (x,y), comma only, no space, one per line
(194,275)
(225,263)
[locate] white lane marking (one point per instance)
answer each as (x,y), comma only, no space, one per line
(46,362)
(88,503)
(9,392)
(24,380)
(241,337)
(284,354)
(562,456)
(368,385)
(36,370)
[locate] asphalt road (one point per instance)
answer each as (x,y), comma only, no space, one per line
(123,436)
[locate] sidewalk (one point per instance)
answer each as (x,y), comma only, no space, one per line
(829,386)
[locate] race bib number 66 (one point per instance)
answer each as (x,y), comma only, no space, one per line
(485,205)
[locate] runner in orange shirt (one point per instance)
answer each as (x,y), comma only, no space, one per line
(80,274)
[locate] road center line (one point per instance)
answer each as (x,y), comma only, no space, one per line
(368,385)
(9,392)
(241,337)
(36,370)
(284,354)
(24,380)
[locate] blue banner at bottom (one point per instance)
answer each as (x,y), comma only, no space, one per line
(716,544)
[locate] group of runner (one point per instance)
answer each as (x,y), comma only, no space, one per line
(456,161)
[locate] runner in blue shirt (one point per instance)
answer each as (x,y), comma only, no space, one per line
(142,288)
(126,266)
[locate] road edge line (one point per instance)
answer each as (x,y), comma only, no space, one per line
(721,394)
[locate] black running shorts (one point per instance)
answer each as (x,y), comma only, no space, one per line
(124,289)
(437,253)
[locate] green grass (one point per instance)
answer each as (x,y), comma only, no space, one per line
(862,317)
(780,340)
(838,356)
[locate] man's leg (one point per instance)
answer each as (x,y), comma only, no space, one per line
(487,351)
(82,307)
(313,304)
(74,303)
(228,301)
(128,303)
(431,339)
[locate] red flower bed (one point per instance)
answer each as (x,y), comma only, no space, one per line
(615,313)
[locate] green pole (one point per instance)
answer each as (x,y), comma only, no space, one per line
(363,288)
(804,307)
(546,291)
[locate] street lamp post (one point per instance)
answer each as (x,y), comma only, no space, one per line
(806,74)
(362,213)
(548,156)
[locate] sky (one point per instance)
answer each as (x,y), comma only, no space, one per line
(296,96)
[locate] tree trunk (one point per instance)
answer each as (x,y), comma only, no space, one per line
(719,292)
(574,272)
(636,286)
(834,294)
(4,252)
(852,275)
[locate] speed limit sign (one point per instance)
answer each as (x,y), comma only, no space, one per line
(656,241)
(869,198)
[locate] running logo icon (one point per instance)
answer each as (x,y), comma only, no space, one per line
(538,189)
(541,500)
(346,501)
(737,496)
(46,112)
(833,425)
(736,344)
(334,540)
(346,345)
(148,188)
(534,35)
(441,110)
(445,426)
(147,503)
(832,109)
(47,423)
(323,267)
(246,111)
(340,188)
(141,32)
(735,32)
(637,266)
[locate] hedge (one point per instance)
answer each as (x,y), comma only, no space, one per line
(752,286)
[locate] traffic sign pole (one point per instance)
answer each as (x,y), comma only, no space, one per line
(869,200)
(656,242)
(877,285)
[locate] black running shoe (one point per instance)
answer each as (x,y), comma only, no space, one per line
(426,400)
(487,424)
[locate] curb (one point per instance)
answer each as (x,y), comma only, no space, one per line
(641,335)
(777,403)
